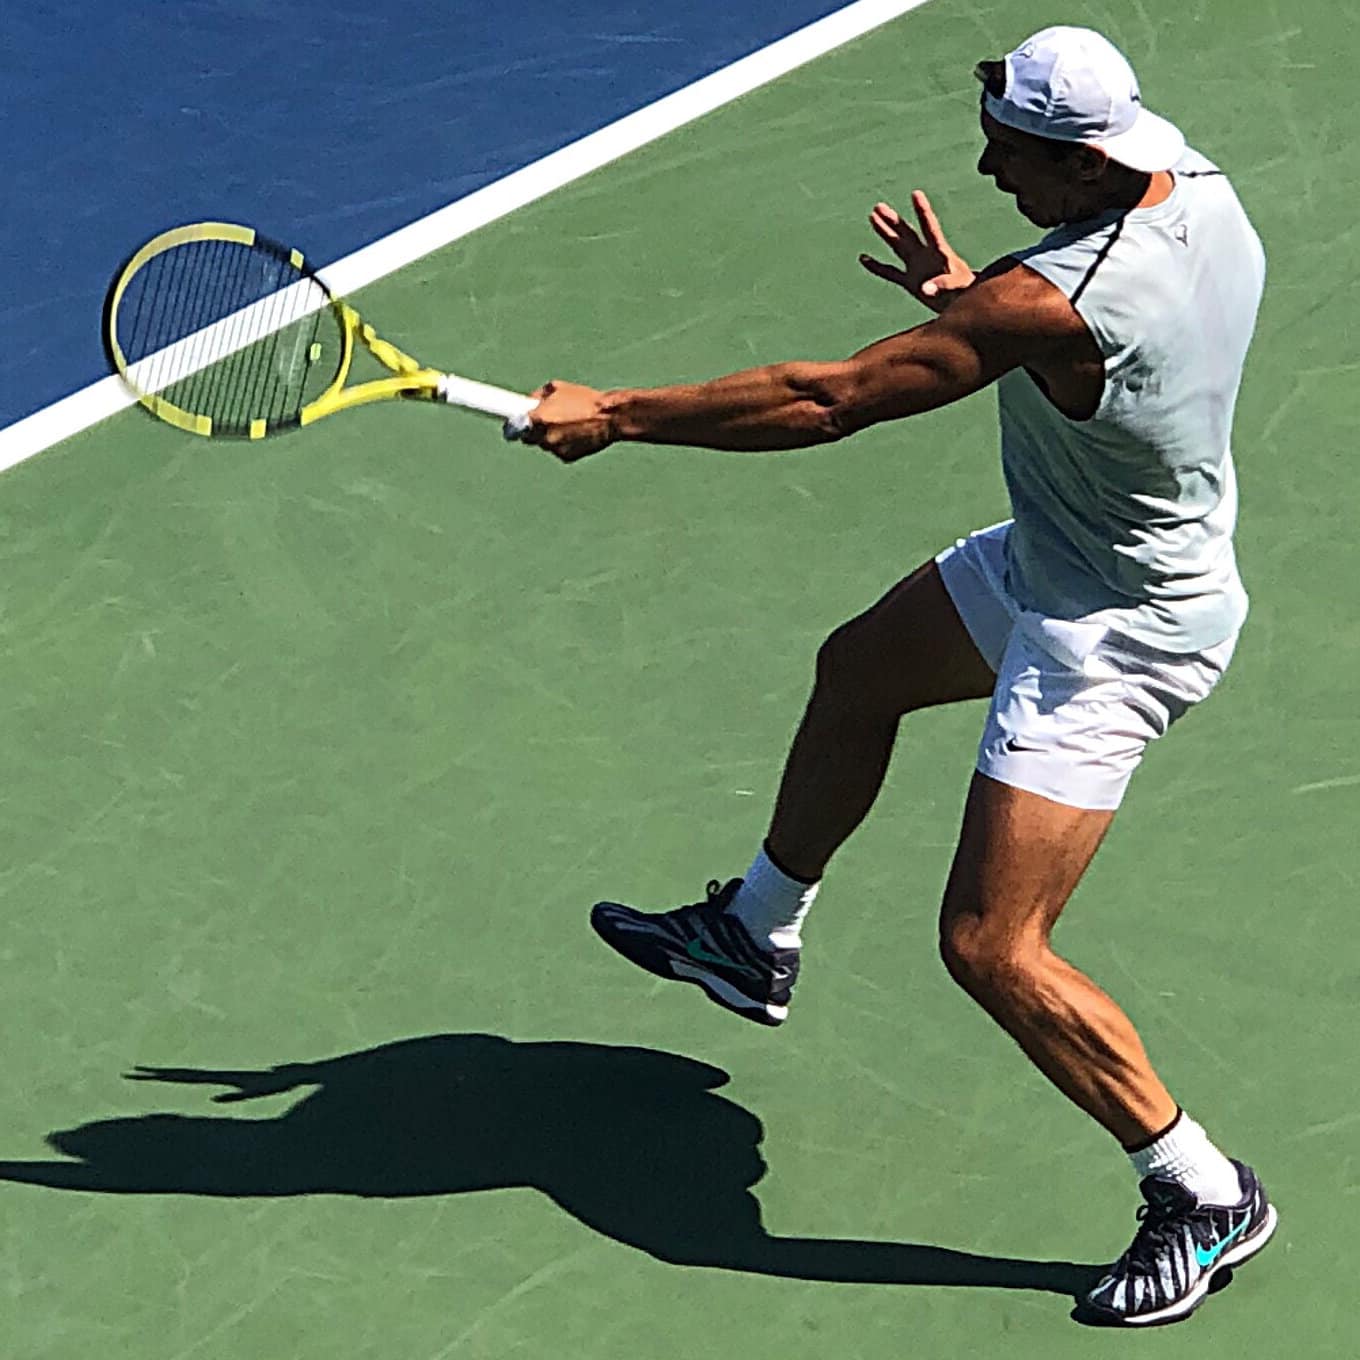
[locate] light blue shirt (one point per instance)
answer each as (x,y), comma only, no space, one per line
(1126,519)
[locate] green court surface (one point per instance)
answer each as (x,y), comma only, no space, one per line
(325,746)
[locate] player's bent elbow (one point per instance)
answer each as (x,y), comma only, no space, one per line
(849,417)
(825,395)
(851,412)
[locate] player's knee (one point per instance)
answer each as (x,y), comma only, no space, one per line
(959,951)
(836,660)
(853,669)
(984,961)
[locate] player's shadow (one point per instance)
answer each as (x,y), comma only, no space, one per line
(630,1141)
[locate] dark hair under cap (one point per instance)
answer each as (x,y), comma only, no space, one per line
(992,74)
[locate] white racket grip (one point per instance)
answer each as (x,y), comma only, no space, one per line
(516,427)
(512,407)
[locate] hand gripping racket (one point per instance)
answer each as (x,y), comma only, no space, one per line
(221,331)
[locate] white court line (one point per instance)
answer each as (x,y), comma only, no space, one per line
(160,370)
(104,398)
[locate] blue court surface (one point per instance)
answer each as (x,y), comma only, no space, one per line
(327,124)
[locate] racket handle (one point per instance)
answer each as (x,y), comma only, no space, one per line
(516,427)
(512,407)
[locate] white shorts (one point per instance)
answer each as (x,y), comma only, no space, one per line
(1075,703)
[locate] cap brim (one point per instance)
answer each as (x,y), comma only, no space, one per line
(1150,145)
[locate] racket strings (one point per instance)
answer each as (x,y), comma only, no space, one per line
(232,332)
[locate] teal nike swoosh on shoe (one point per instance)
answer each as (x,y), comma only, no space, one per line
(699,954)
(701,943)
(1207,1258)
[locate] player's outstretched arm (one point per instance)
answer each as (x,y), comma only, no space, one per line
(1009,317)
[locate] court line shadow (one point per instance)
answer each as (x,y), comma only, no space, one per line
(631,1142)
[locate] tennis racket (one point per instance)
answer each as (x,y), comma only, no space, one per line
(220,331)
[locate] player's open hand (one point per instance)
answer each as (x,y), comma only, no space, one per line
(569,421)
(931,271)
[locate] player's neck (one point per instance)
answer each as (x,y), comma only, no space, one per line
(1126,190)
(1159,189)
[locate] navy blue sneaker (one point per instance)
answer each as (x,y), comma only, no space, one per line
(1180,1246)
(702,944)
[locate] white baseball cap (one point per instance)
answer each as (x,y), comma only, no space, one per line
(1073,85)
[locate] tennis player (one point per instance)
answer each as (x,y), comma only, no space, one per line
(1094,618)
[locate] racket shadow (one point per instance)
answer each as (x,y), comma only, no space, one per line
(632,1142)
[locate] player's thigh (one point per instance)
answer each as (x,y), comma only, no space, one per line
(908,650)
(1019,858)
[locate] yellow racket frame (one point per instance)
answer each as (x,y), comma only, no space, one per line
(409,379)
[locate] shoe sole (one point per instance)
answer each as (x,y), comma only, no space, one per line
(727,995)
(1182,1308)
(660,964)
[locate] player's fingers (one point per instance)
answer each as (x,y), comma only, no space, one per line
(930,224)
(897,235)
(945,285)
(886,218)
(884,271)
(563,450)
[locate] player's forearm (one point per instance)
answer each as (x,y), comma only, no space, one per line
(797,405)
(779,406)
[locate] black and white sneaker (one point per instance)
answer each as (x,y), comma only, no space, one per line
(702,944)
(1180,1246)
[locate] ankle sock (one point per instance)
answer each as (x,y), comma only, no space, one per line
(772,904)
(1184,1154)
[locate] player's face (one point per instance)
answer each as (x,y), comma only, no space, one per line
(1045,190)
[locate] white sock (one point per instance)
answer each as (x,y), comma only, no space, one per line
(1185,1155)
(771,905)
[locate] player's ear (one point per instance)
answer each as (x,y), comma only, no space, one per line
(1090,163)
